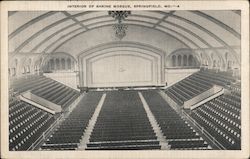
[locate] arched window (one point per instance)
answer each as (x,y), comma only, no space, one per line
(24,70)
(69,63)
(16,62)
(30,61)
(190,60)
(173,60)
(185,60)
(57,64)
(179,60)
(218,64)
(229,64)
(226,55)
(52,64)
(63,63)
(214,63)
(28,69)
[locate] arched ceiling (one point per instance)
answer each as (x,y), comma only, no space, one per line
(74,31)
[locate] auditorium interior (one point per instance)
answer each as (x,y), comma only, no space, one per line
(124,80)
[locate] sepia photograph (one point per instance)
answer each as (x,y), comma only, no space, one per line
(125,80)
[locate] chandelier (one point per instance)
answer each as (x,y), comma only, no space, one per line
(120,28)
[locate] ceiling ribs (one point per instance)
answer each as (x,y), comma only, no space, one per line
(195,35)
(71,32)
(79,14)
(134,25)
(75,20)
(164,18)
(224,26)
(29,23)
(61,30)
(44,29)
(143,16)
(110,25)
(222,42)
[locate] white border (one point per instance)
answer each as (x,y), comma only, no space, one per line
(190,5)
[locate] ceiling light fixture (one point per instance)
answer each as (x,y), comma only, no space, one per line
(120,28)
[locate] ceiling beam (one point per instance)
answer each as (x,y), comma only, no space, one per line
(221,24)
(143,16)
(112,24)
(75,20)
(19,48)
(164,18)
(218,39)
(29,23)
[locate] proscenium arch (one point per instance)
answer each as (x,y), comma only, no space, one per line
(116,46)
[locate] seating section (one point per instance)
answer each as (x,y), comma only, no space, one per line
(196,84)
(68,135)
(122,124)
(221,117)
(29,82)
(26,124)
(179,134)
(57,93)
(46,88)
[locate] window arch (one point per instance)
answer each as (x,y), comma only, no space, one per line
(16,62)
(57,64)
(63,64)
(52,64)
(174,60)
(24,70)
(229,64)
(185,60)
(69,63)
(179,60)
(190,60)
(214,63)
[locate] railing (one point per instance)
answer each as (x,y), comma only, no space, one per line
(48,131)
(204,132)
(45,134)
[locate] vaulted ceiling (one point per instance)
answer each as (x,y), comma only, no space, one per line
(74,31)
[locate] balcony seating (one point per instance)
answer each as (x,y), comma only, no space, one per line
(179,134)
(122,124)
(26,124)
(56,93)
(68,135)
(221,117)
(196,84)
(46,88)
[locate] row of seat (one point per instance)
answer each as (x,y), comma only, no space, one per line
(57,93)
(221,117)
(197,83)
(68,135)
(179,134)
(122,124)
(27,123)
(46,88)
